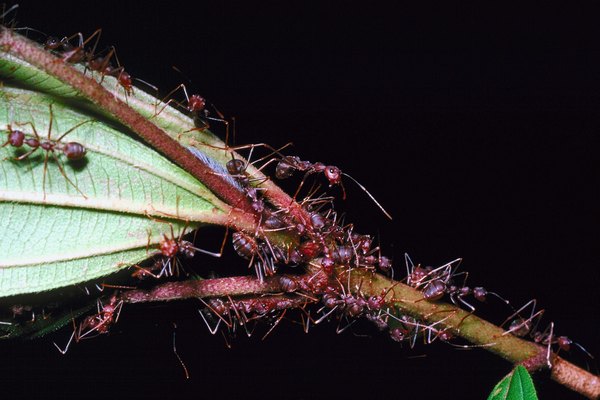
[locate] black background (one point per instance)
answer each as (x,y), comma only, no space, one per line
(476,128)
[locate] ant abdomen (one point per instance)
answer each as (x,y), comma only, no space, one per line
(244,245)
(74,151)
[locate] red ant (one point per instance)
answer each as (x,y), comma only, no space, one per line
(72,150)
(287,165)
(249,247)
(97,324)
(522,327)
(75,54)
(435,283)
(169,248)
(196,106)
(103,65)
(69,53)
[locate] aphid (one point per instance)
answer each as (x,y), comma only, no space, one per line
(72,150)
(287,165)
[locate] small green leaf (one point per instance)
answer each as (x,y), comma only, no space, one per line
(517,385)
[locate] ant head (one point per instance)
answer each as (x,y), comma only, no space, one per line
(333,174)
(15,137)
(196,103)
(564,343)
(235,166)
(52,43)
(168,247)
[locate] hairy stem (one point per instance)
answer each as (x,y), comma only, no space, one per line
(475,330)
(405,299)
(219,287)
(34,54)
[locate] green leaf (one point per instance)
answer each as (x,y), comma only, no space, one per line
(517,385)
(176,124)
(54,233)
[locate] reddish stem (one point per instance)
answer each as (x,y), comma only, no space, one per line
(34,54)
(220,287)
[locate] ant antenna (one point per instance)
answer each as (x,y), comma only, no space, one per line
(8,11)
(187,375)
(364,189)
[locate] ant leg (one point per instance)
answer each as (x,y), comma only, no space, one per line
(521,327)
(166,104)
(211,330)
(24,156)
(301,184)
(62,171)
(64,351)
(339,330)
(185,370)
(275,324)
(324,316)
(228,323)
(72,129)
(410,267)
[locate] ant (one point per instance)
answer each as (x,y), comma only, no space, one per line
(103,65)
(168,249)
(74,151)
(69,53)
(249,247)
(97,324)
(287,165)
(196,106)
(76,54)
(435,283)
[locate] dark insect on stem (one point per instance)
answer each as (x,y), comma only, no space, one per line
(438,282)
(287,165)
(79,54)
(70,53)
(250,248)
(72,150)
(103,65)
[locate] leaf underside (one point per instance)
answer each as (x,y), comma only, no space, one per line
(54,233)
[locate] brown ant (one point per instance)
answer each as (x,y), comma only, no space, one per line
(249,247)
(435,283)
(168,249)
(72,150)
(68,52)
(196,106)
(97,324)
(287,165)
(76,54)
(103,65)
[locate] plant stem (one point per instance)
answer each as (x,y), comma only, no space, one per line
(405,299)
(219,287)
(475,330)
(34,54)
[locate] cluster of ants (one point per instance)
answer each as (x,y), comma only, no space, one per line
(324,242)
(79,54)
